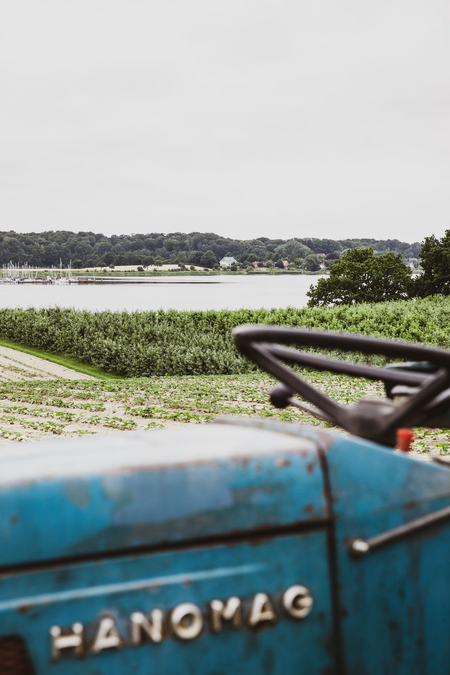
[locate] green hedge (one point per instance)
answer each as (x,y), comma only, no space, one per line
(194,343)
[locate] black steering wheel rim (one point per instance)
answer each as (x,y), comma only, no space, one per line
(267,346)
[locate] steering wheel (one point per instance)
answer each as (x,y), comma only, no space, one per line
(373,419)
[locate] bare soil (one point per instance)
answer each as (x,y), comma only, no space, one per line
(43,400)
(16,366)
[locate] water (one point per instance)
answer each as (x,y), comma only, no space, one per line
(186,293)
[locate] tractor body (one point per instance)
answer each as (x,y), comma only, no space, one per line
(223,549)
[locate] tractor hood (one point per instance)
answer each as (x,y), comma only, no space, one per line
(73,498)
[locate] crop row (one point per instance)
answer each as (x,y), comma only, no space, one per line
(141,344)
(37,409)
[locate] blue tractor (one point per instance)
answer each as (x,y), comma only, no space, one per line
(243,546)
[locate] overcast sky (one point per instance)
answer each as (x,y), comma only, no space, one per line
(247,118)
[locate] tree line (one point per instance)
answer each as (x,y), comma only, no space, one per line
(87,249)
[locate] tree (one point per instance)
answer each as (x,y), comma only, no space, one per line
(435,261)
(208,259)
(109,258)
(312,263)
(362,277)
(292,249)
(279,264)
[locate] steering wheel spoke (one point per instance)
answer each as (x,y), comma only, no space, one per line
(271,349)
(281,397)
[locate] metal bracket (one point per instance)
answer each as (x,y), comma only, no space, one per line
(362,547)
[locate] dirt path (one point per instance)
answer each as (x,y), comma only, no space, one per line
(17,366)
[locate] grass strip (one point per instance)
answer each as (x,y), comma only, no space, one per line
(65,361)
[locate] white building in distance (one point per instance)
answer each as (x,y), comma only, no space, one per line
(227,261)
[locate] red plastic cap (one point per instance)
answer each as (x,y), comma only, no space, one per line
(404,439)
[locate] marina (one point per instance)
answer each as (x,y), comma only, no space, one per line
(39,280)
(98,280)
(24,274)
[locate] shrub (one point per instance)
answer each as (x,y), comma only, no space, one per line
(199,343)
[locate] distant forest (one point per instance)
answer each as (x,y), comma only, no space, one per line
(86,249)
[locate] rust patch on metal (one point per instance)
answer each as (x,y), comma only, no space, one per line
(282,462)
(308,508)
(22,609)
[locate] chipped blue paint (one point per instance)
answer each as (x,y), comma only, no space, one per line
(78,492)
(395,604)
(152,489)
